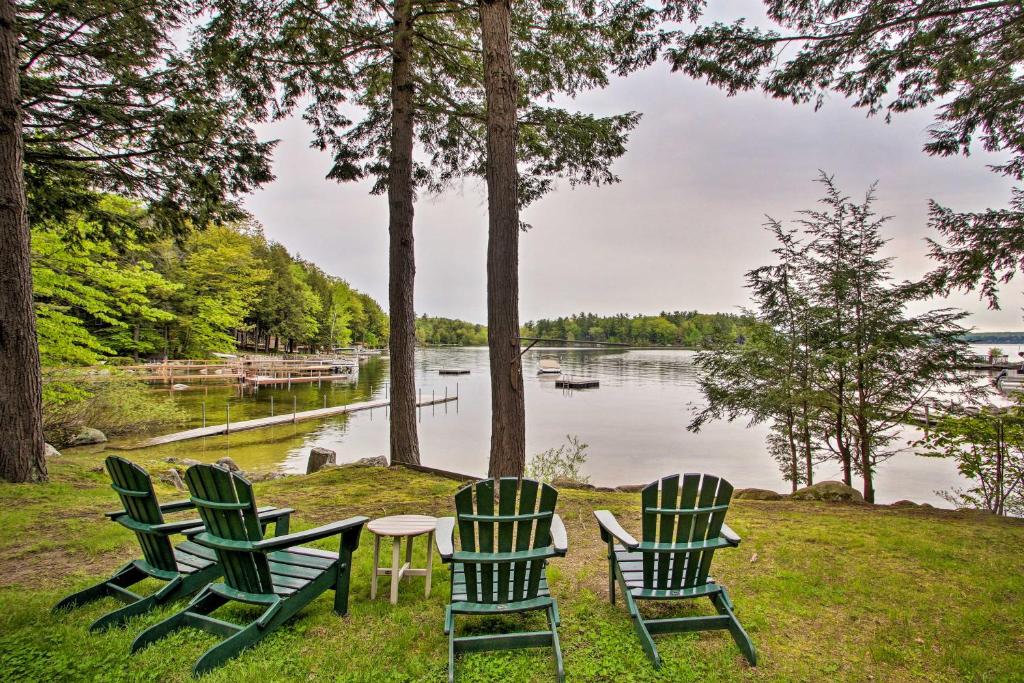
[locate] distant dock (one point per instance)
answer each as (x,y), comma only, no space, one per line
(286,418)
(453,371)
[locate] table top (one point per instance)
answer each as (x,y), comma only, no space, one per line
(403,525)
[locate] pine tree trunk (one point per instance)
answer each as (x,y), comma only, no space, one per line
(21,392)
(405,446)
(508,410)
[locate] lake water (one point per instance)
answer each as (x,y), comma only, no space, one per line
(635,423)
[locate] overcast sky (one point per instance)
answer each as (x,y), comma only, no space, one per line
(680,230)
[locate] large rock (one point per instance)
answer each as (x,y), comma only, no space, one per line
(375,461)
(173,478)
(185,462)
(87,436)
(831,491)
(254,477)
(320,458)
(50,452)
(229,464)
(757,494)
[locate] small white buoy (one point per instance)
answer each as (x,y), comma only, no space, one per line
(179,387)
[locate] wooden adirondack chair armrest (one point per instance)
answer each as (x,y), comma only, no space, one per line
(559,538)
(610,528)
(309,535)
(731,536)
(177,505)
(266,514)
(167,507)
(187,527)
(444,538)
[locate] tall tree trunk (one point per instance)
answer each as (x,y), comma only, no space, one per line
(508,409)
(405,445)
(21,384)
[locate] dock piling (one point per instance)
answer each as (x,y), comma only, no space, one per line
(227,425)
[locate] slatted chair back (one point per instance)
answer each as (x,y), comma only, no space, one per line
(135,489)
(227,506)
(503,550)
(681,524)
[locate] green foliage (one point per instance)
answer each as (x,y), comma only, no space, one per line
(564,462)
(113,289)
(679,328)
(89,288)
(449,332)
(288,54)
(220,278)
(115,99)
(989,451)
(104,400)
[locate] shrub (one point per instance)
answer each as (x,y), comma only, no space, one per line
(104,400)
(564,462)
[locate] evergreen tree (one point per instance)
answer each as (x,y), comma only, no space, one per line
(836,362)
(96,96)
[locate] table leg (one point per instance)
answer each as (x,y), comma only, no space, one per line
(430,561)
(376,563)
(396,559)
(408,550)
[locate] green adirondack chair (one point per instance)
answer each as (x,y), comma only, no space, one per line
(683,526)
(500,576)
(185,568)
(274,573)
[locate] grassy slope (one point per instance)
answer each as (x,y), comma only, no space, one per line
(827,592)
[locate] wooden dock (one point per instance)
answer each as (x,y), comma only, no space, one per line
(577,383)
(286,418)
(453,371)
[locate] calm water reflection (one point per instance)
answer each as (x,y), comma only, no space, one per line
(635,423)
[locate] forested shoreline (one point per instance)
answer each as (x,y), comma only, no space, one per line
(678,328)
(112,290)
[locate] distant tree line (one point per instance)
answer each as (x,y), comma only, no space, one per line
(678,328)
(114,289)
(995,337)
(449,332)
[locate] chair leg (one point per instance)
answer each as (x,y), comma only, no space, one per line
(450,629)
(229,648)
(123,577)
(342,586)
(204,603)
(646,641)
(123,614)
(611,571)
(743,641)
(553,625)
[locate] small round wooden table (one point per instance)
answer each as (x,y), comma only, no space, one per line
(399,526)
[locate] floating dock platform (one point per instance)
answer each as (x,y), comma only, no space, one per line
(453,371)
(577,383)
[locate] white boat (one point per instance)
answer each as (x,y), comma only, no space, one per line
(549,366)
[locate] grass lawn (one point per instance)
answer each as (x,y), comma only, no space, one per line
(827,592)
